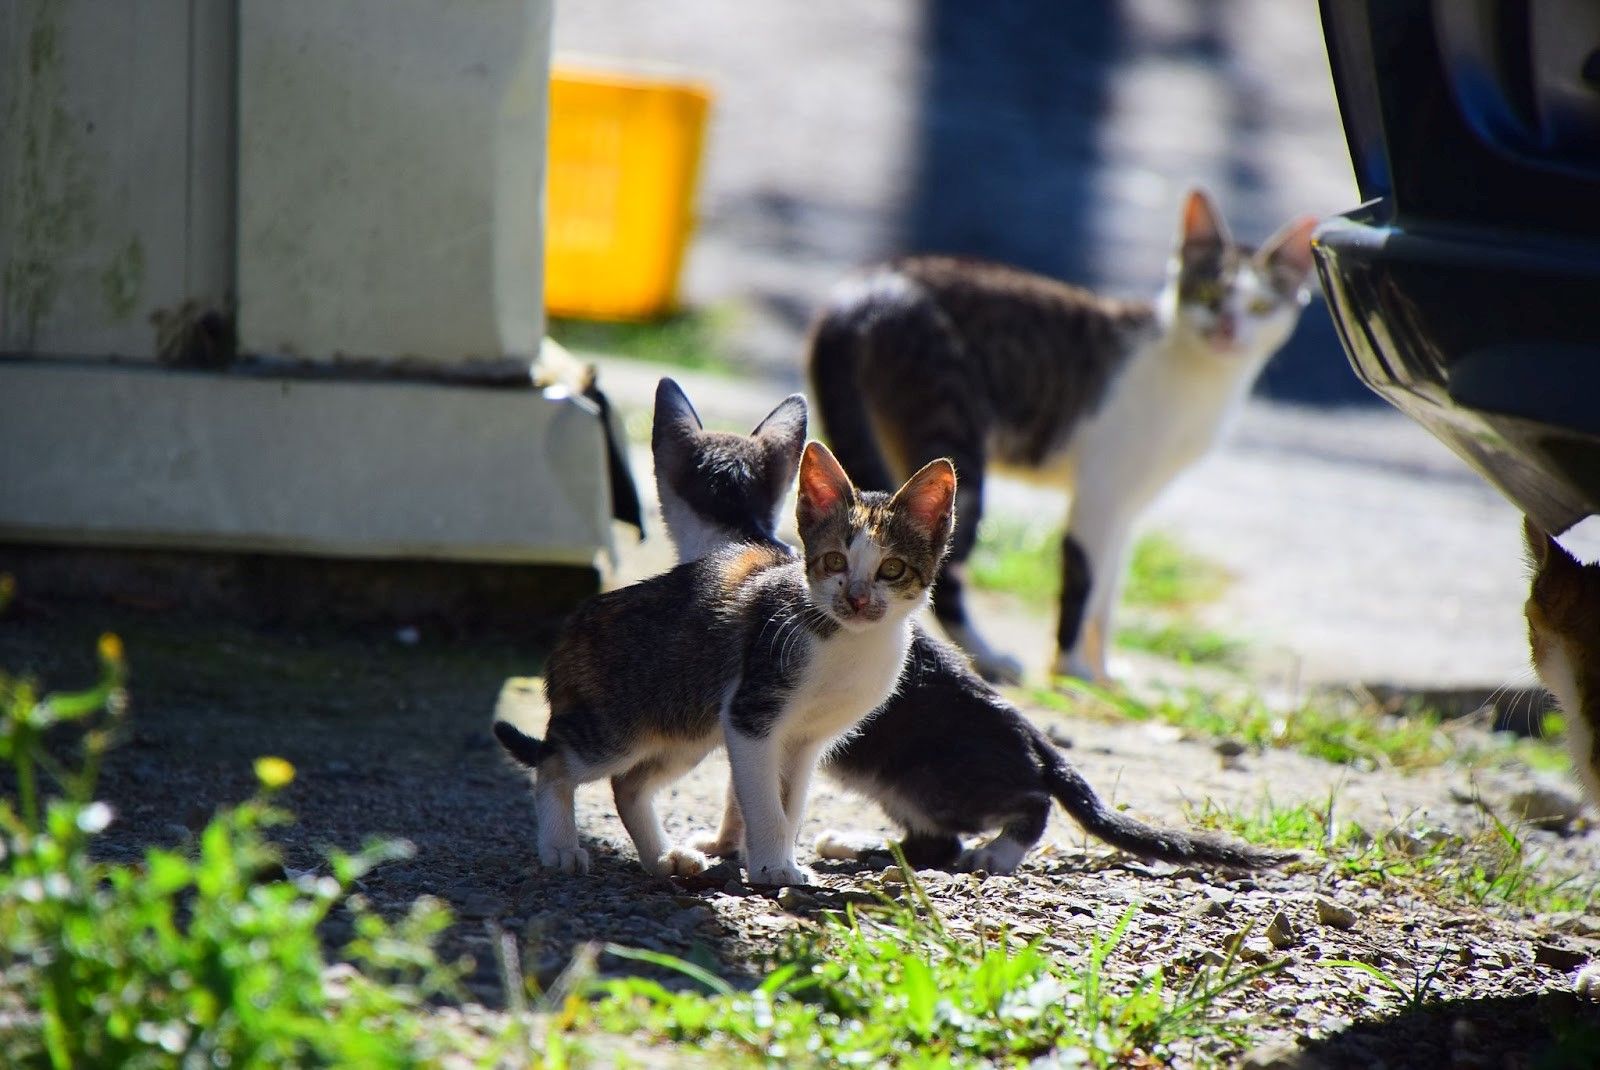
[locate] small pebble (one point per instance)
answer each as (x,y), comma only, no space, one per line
(1335,914)
(1281,932)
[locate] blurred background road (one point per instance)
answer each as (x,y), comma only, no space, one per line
(1059,136)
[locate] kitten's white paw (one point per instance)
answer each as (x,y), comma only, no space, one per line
(682,862)
(715,845)
(1587,984)
(780,873)
(565,859)
(838,846)
(1001,858)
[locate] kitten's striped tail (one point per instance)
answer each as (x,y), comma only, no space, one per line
(835,357)
(1147,841)
(524,748)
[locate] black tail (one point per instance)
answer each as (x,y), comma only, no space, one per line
(1135,837)
(524,748)
(840,407)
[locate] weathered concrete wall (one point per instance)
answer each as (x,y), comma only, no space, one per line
(154,457)
(110,194)
(390,176)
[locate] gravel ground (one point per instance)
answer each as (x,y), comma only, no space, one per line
(390,740)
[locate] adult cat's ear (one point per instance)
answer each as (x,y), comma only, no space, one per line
(675,424)
(783,433)
(929,500)
(1202,222)
(1287,254)
(824,486)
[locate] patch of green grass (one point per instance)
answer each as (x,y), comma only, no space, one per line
(896,988)
(1184,641)
(1024,559)
(697,339)
(1493,864)
(200,956)
(1344,732)
(1163,575)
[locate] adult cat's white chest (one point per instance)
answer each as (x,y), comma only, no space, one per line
(848,675)
(1167,408)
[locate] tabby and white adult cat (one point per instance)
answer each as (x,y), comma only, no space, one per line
(774,656)
(946,756)
(988,365)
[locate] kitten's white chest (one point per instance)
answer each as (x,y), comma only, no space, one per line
(849,675)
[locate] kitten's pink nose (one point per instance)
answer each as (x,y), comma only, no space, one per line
(858,599)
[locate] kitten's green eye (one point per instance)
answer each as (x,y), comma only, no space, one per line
(833,561)
(1261,306)
(891,569)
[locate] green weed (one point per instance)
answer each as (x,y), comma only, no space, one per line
(1492,864)
(896,988)
(196,957)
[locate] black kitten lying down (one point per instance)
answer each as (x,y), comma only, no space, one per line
(946,756)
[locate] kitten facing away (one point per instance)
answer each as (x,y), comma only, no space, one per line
(946,756)
(1563,611)
(771,655)
(995,367)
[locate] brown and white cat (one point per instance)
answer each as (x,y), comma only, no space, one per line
(989,365)
(946,756)
(773,656)
(1563,611)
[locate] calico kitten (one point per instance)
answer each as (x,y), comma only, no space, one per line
(946,756)
(989,365)
(1563,611)
(774,656)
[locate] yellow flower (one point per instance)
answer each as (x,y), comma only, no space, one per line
(274,772)
(111,648)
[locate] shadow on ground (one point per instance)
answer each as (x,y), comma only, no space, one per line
(1550,1031)
(389,740)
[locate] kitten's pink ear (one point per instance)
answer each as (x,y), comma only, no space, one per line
(1289,249)
(1202,222)
(929,499)
(824,486)
(783,433)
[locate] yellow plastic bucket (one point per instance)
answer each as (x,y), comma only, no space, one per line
(623,160)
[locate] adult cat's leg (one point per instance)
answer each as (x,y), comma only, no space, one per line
(1092,553)
(553,808)
(634,792)
(727,839)
(949,604)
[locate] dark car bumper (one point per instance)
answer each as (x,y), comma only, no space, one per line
(1467,290)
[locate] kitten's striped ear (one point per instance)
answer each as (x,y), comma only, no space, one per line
(1202,222)
(929,500)
(783,433)
(824,487)
(674,427)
